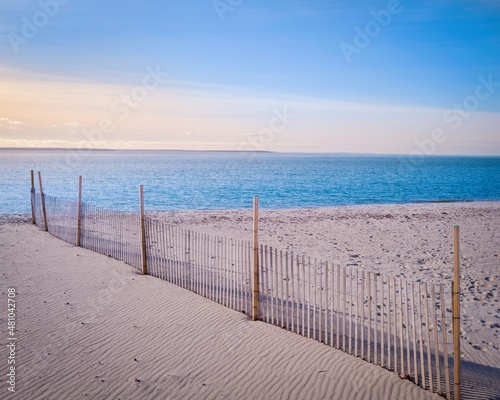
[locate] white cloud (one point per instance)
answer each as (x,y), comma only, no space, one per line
(225,117)
(142,145)
(33,143)
(9,121)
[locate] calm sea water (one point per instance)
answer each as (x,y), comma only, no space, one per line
(229,180)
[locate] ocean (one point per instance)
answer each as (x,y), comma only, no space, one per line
(180,180)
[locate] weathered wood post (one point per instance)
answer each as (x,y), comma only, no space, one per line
(143,234)
(33,196)
(456,310)
(79,222)
(42,196)
(255,314)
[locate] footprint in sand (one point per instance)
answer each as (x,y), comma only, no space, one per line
(478,347)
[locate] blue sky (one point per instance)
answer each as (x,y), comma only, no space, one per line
(229,65)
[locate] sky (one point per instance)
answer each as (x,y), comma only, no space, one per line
(385,77)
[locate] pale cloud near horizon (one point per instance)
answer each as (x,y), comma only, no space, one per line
(139,145)
(224,117)
(9,121)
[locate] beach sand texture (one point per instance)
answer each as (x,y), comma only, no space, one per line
(90,325)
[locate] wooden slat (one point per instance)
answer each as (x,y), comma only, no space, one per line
(395,325)
(42,198)
(304,299)
(332,296)
(350,311)
(356,325)
(79,216)
(241,272)
(227,268)
(369,353)
(255,258)
(311,308)
(326,302)
(428,329)
(413,311)
(292,298)
(143,233)
(234,273)
(315,304)
(169,253)
(33,198)
(344,287)
(436,344)
(389,322)
(444,328)
(456,311)
(401,333)
(268,286)
(363,314)
(375,330)
(320,306)
(422,364)
(277,287)
(287,276)
(282,277)
(408,348)
(382,321)
(271,286)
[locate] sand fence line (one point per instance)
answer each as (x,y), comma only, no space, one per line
(400,325)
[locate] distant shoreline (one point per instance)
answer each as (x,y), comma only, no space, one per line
(166,150)
(61,149)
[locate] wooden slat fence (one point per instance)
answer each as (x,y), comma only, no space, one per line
(397,324)
(214,267)
(112,233)
(62,218)
(36,203)
(391,322)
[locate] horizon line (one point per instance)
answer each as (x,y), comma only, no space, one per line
(246,151)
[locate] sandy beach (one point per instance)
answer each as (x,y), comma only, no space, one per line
(409,241)
(91,327)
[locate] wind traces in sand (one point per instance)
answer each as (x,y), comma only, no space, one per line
(151,339)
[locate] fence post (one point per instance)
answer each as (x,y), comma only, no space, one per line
(33,196)
(42,196)
(79,222)
(255,313)
(456,310)
(143,233)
